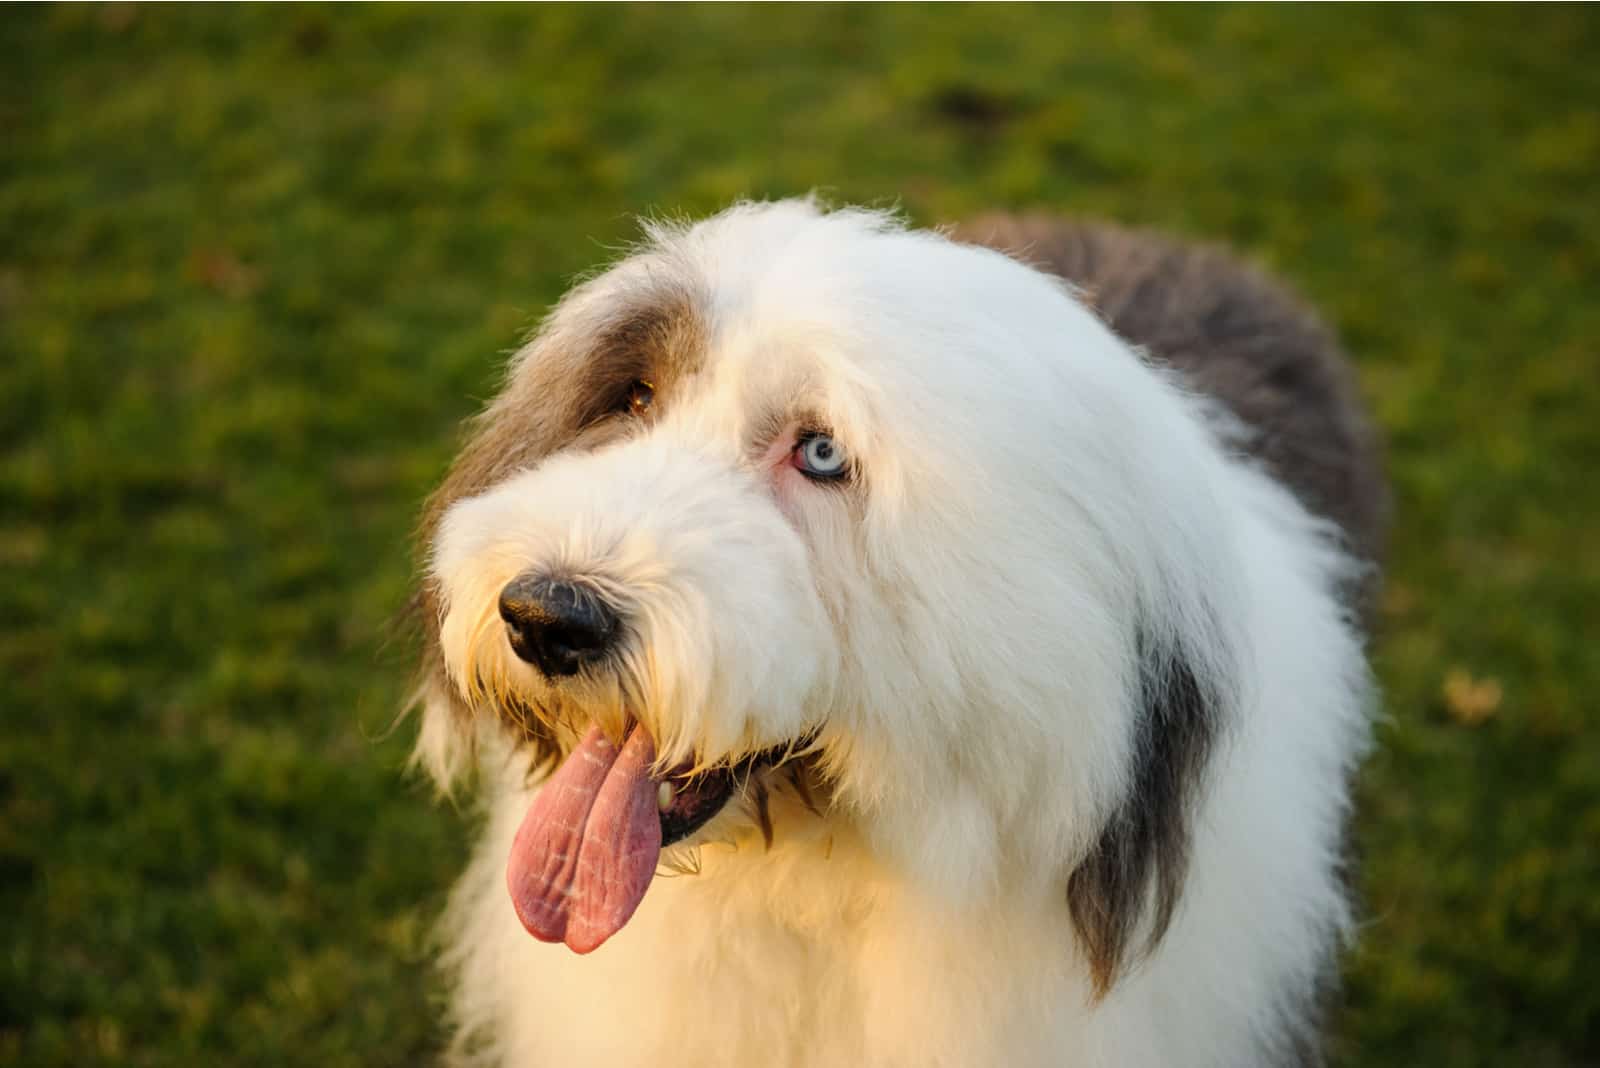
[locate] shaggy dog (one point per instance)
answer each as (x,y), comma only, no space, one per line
(875,649)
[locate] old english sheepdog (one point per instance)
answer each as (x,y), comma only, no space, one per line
(885,647)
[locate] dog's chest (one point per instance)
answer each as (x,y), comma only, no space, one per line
(790,961)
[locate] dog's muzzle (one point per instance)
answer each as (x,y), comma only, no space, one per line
(557,626)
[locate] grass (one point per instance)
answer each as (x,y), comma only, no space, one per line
(256,264)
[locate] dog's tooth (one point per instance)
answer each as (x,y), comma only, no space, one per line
(664,795)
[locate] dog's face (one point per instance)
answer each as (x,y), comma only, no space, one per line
(791,482)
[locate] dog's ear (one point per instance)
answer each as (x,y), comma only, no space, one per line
(448,727)
(1123,894)
(445,747)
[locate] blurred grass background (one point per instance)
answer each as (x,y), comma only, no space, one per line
(256,264)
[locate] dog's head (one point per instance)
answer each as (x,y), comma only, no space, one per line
(798,485)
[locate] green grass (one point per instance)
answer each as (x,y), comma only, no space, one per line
(256,264)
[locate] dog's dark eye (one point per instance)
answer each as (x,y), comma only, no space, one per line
(818,456)
(641,395)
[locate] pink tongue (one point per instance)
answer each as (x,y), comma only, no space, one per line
(588,847)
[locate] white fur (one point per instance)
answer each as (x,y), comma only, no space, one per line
(956,628)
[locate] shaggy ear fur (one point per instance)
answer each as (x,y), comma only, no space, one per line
(1134,876)
(445,747)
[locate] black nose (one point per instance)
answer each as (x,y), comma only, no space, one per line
(554,625)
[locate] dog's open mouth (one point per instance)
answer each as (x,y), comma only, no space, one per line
(588,847)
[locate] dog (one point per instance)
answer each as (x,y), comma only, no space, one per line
(876,646)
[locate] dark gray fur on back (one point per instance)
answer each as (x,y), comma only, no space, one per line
(1231,333)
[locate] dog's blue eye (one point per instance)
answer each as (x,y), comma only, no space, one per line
(821,457)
